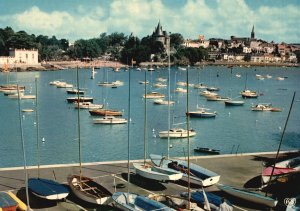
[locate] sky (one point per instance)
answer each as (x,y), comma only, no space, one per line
(274,20)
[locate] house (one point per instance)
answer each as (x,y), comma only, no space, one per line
(20,56)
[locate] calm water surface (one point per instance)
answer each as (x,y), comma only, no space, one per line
(235,129)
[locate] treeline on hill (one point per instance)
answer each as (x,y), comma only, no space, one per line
(115,46)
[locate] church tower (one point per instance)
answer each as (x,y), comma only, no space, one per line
(252,33)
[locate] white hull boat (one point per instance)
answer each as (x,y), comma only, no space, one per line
(197,173)
(248,195)
(156,173)
(177,133)
(109,120)
(87,105)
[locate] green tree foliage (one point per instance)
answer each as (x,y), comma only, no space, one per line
(176,40)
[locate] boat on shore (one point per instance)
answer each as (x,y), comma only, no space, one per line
(207,150)
(156,173)
(197,173)
(177,133)
(105,112)
(132,202)
(109,120)
(281,169)
(248,195)
(88,190)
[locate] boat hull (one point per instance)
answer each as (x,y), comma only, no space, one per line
(47,189)
(234,103)
(156,173)
(198,173)
(202,115)
(105,112)
(133,202)
(248,196)
(89,191)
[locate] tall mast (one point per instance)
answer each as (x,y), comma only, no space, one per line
(169,91)
(78,124)
(37,127)
(23,149)
(128,132)
(188,132)
(145,119)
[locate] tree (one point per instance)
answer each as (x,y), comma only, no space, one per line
(21,40)
(176,40)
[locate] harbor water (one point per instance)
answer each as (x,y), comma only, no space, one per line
(236,129)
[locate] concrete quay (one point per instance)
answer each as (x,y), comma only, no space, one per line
(239,170)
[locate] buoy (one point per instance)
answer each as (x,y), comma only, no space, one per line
(43,139)
(171,145)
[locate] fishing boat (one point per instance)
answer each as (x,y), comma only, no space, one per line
(156,173)
(202,113)
(87,105)
(281,169)
(264,107)
(163,102)
(63,85)
(175,202)
(88,190)
(207,150)
(248,195)
(234,102)
(105,112)
(132,202)
(177,133)
(41,187)
(7,203)
(47,189)
(153,95)
(80,99)
(85,187)
(197,173)
(249,94)
(109,120)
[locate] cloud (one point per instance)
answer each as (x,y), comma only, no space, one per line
(191,18)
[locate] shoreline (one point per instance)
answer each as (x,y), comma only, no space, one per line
(64,165)
(62,65)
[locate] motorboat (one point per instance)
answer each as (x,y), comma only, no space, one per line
(109,120)
(75,91)
(63,85)
(200,86)
(182,90)
(216,98)
(160,85)
(206,93)
(177,133)
(212,89)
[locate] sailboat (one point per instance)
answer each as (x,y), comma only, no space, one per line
(148,170)
(132,201)
(232,102)
(246,93)
(189,170)
(93,73)
(41,187)
(84,187)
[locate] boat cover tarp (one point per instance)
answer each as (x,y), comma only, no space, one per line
(148,204)
(46,187)
(277,171)
(6,200)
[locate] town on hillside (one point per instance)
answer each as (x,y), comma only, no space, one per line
(120,50)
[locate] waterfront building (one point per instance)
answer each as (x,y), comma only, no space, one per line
(20,56)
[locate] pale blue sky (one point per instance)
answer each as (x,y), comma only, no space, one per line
(274,20)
